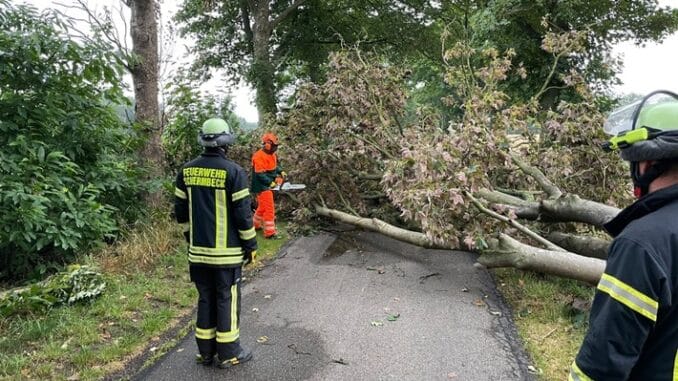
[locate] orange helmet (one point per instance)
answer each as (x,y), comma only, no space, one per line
(270,138)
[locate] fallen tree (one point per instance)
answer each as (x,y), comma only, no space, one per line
(515,182)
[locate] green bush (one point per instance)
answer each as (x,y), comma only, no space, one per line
(67,171)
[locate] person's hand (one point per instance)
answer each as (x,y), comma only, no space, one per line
(249,257)
(273,184)
(283,174)
(254,204)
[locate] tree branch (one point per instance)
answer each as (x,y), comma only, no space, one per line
(575,209)
(522,228)
(587,246)
(544,87)
(373,144)
(498,197)
(508,252)
(284,14)
(382,227)
(551,189)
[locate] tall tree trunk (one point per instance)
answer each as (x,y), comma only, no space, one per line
(262,73)
(144,68)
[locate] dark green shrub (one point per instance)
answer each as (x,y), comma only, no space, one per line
(67,169)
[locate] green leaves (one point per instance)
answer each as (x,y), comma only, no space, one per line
(66,159)
(76,284)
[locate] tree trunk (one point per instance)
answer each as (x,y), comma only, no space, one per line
(587,246)
(575,209)
(144,68)
(508,252)
(567,208)
(262,71)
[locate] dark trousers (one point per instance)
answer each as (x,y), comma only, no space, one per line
(217,329)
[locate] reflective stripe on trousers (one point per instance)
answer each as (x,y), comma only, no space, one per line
(218,322)
(266,212)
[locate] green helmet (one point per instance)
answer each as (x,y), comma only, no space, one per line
(646,130)
(215,132)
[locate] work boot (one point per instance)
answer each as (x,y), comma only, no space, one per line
(205,360)
(244,356)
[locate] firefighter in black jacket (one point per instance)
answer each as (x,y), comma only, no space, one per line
(633,331)
(212,196)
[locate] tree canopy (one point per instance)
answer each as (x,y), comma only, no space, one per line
(273,43)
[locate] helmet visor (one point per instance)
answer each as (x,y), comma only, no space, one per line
(622,118)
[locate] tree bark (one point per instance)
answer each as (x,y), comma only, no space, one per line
(505,252)
(144,69)
(262,71)
(382,227)
(575,209)
(508,252)
(566,208)
(587,246)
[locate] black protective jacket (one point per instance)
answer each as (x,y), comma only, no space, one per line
(212,195)
(633,332)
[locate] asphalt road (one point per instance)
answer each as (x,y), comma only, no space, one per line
(324,305)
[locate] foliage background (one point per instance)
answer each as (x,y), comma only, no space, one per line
(66,160)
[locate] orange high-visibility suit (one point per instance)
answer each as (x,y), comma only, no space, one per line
(266,175)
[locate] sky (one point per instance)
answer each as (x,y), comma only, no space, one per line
(647,68)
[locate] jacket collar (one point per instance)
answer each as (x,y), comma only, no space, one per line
(215,153)
(642,207)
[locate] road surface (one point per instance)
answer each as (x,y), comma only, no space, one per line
(360,306)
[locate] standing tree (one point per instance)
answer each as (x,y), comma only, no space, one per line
(240,35)
(144,69)
(142,62)
(272,43)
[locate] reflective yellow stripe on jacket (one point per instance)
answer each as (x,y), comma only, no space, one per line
(629,296)
(247,234)
(179,193)
(577,375)
(239,195)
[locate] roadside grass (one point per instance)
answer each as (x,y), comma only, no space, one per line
(551,328)
(267,248)
(148,293)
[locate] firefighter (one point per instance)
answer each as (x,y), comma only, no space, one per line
(213,197)
(266,174)
(633,327)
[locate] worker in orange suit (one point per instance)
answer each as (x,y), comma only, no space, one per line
(266,175)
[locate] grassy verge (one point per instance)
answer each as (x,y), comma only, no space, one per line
(550,326)
(148,292)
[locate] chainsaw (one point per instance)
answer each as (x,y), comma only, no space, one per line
(285,187)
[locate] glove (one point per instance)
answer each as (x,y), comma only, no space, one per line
(187,236)
(254,204)
(249,257)
(273,184)
(283,174)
